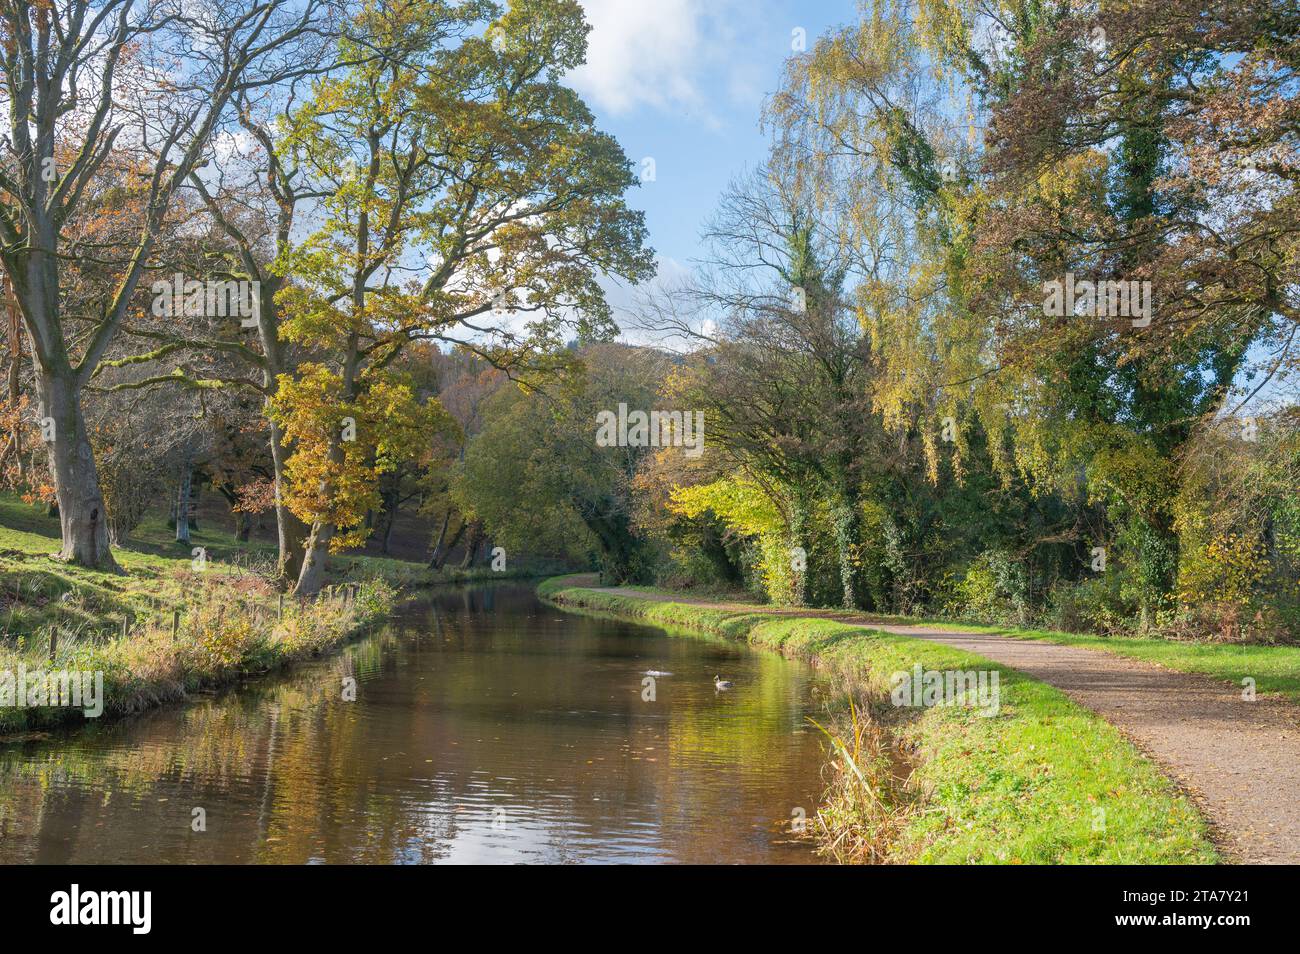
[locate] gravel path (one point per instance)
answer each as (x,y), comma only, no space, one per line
(1239,760)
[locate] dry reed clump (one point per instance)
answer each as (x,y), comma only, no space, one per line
(869,797)
(217,640)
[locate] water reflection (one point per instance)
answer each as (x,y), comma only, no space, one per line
(487,728)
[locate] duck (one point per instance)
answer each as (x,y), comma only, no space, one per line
(720,683)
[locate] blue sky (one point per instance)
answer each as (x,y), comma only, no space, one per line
(683,82)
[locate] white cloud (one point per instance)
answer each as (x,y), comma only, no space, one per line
(228,144)
(642,54)
(677,55)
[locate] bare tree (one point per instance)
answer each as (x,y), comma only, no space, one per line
(83,81)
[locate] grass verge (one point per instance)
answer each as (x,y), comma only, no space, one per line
(1275,669)
(232,624)
(223,635)
(1044,781)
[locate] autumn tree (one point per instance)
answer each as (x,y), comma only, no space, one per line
(784,389)
(252,198)
(1142,144)
(472,202)
(988,148)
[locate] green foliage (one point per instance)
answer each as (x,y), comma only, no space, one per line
(539,480)
(510,480)
(1094,605)
(744,508)
(994,588)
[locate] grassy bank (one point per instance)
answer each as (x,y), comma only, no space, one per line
(1275,668)
(224,634)
(37,593)
(231,624)
(1043,781)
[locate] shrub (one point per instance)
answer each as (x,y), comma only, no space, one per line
(1094,605)
(994,588)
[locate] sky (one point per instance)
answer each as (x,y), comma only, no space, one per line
(683,83)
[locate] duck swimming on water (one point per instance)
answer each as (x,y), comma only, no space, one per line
(720,683)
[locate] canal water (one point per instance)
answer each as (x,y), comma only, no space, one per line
(486,727)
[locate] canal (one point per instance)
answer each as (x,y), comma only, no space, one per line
(480,725)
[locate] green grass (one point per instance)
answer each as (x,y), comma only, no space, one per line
(229,628)
(37,592)
(1275,669)
(1044,781)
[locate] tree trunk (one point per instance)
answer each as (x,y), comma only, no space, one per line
(15,444)
(798,538)
(76,482)
(291,532)
(312,577)
(844,516)
(440,559)
(471,548)
(434,560)
(183,496)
